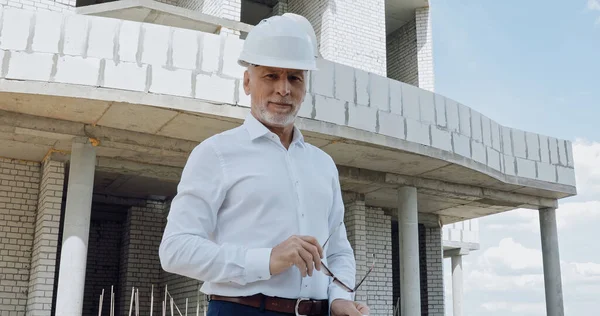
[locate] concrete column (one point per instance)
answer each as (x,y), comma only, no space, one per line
(551,262)
(457,285)
(408,229)
(73,259)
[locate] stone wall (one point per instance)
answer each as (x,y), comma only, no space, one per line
(19,188)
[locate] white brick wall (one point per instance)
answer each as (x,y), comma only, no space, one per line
(40,5)
(43,260)
(432,275)
(338,94)
(424,48)
(349,32)
(379,241)
(228,9)
(18,200)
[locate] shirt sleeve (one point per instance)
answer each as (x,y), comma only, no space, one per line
(340,255)
(186,248)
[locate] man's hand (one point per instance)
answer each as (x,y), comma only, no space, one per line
(340,307)
(302,251)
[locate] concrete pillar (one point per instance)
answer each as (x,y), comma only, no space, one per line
(457,285)
(73,259)
(408,229)
(551,262)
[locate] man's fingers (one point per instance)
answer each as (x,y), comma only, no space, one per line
(307,257)
(301,264)
(316,256)
(313,241)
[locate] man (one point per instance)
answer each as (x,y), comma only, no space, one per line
(256,203)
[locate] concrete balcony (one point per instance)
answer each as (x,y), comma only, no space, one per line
(149,93)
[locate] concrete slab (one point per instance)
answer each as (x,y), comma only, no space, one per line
(24,151)
(187,126)
(145,119)
(88,111)
(386,160)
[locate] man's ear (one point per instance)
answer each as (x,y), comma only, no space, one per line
(247,82)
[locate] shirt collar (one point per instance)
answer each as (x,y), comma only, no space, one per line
(256,130)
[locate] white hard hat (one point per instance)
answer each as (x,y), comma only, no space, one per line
(278,42)
(308,28)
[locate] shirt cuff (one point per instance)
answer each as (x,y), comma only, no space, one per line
(258,263)
(335,292)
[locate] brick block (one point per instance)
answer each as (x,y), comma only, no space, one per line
(417,131)
(77,70)
(75,34)
(486,127)
(519,144)
(395,97)
(553,147)
(410,102)
(546,171)
(155,44)
(427,106)
(391,124)
(362,87)
(15,29)
(330,110)
(440,110)
(478,152)
(102,37)
(185,48)
(562,152)
(505,134)
(125,76)
(526,168)
(452,115)
(243,99)
(569,147)
(231,51)
(464,116)
(129,36)
(35,66)
(566,175)
(493,159)
(307,106)
(495,130)
(322,81)
(171,82)
(441,138)
(362,117)
(544,150)
(47,32)
(211,52)
(476,130)
(214,88)
(344,82)
(533,146)
(462,145)
(379,92)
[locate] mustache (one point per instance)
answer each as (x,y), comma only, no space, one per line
(287,101)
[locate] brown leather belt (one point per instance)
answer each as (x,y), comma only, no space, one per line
(280,305)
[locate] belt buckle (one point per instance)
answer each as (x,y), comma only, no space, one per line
(298,301)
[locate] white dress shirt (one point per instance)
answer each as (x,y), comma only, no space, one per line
(242,193)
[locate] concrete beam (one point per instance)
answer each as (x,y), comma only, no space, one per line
(490,196)
(164,173)
(456,252)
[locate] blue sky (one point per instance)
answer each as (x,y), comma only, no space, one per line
(535,66)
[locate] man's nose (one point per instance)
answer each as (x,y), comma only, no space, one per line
(283,87)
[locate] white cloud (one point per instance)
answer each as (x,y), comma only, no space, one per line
(512,255)
(594,5)
(519,308)
(587,172)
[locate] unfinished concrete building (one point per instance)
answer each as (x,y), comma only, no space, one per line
(101,103)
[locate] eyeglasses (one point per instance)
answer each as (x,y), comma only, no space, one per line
(337,281)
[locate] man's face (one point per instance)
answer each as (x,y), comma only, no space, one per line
(276,93)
